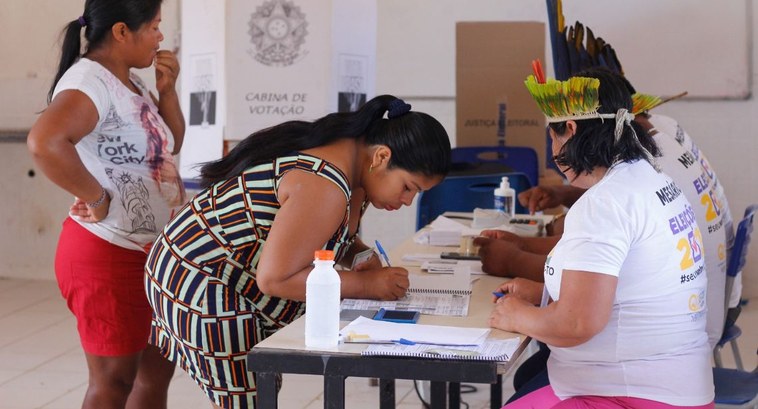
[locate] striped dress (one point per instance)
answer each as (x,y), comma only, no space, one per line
(201,277)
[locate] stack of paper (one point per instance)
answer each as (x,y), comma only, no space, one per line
(443,231)
(446,266)
(444,237)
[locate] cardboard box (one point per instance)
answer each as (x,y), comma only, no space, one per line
(492,104)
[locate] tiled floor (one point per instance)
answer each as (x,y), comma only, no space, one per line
(42,366)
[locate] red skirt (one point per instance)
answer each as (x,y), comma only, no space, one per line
(103,285)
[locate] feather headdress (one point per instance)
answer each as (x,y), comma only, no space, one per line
(576,49)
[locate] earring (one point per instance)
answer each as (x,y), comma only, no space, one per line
(370,168)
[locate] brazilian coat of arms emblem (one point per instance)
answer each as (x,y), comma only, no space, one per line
(278,29)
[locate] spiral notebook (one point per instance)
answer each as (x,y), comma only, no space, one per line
(492,350)
(428,294)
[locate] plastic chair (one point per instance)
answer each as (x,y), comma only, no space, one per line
(519,158)
(735,264)
(735,389)
(464,194)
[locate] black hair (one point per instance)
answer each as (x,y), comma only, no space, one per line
(98,18)
(593,145)
(418,142)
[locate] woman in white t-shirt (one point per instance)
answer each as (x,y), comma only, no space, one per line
(106,140)
(626,327)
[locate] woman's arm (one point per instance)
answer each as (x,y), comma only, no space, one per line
(69,118)
(540,245)
(312,209)
(582,311)
(166,73)
(503,258)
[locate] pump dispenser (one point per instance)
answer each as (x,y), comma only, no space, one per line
(505,198)
(322,302)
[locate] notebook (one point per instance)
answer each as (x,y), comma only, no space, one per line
(428,294)
(491,350)
(363,330)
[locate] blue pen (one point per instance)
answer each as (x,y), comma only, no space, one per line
(383,253)
(498,294)
(403,341)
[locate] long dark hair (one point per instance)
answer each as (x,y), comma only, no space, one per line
(98,18)
(594,143)
(418,142)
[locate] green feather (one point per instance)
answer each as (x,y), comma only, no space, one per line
(575,96)
(644,102)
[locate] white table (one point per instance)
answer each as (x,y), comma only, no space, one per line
(285,352)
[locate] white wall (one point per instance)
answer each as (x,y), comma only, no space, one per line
(726,130)
(32,208)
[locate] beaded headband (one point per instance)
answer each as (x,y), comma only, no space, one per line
(576,99)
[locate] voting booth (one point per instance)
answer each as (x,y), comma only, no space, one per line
(249,65)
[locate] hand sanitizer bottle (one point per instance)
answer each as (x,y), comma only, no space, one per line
(322,302)
(505,198)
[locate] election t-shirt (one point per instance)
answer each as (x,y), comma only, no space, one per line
(635,224)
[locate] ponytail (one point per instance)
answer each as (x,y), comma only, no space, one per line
(70,52)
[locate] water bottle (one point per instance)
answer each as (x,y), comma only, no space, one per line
(322,302)
(505,198)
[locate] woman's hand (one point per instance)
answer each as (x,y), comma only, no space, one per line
(373,263)
(88,214)
(540,198)
(527,290)
(497,255)
(166,72)
(505,315)
(386,283)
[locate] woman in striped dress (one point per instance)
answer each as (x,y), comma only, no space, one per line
(230,268)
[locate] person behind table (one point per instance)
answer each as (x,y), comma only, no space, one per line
(628,302)
(700,185)
(512,256)
(230,269)
(684,162)
(107,141)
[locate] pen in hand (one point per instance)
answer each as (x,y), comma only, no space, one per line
(383,253)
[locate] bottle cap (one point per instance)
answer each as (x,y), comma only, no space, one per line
(504,183)
(324,255)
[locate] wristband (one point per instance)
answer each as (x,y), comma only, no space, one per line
(98,202)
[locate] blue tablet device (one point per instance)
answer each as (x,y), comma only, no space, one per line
(400,316)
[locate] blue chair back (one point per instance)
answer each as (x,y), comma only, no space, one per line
(735,263)
(741,241)
(519,158)
(464,194)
